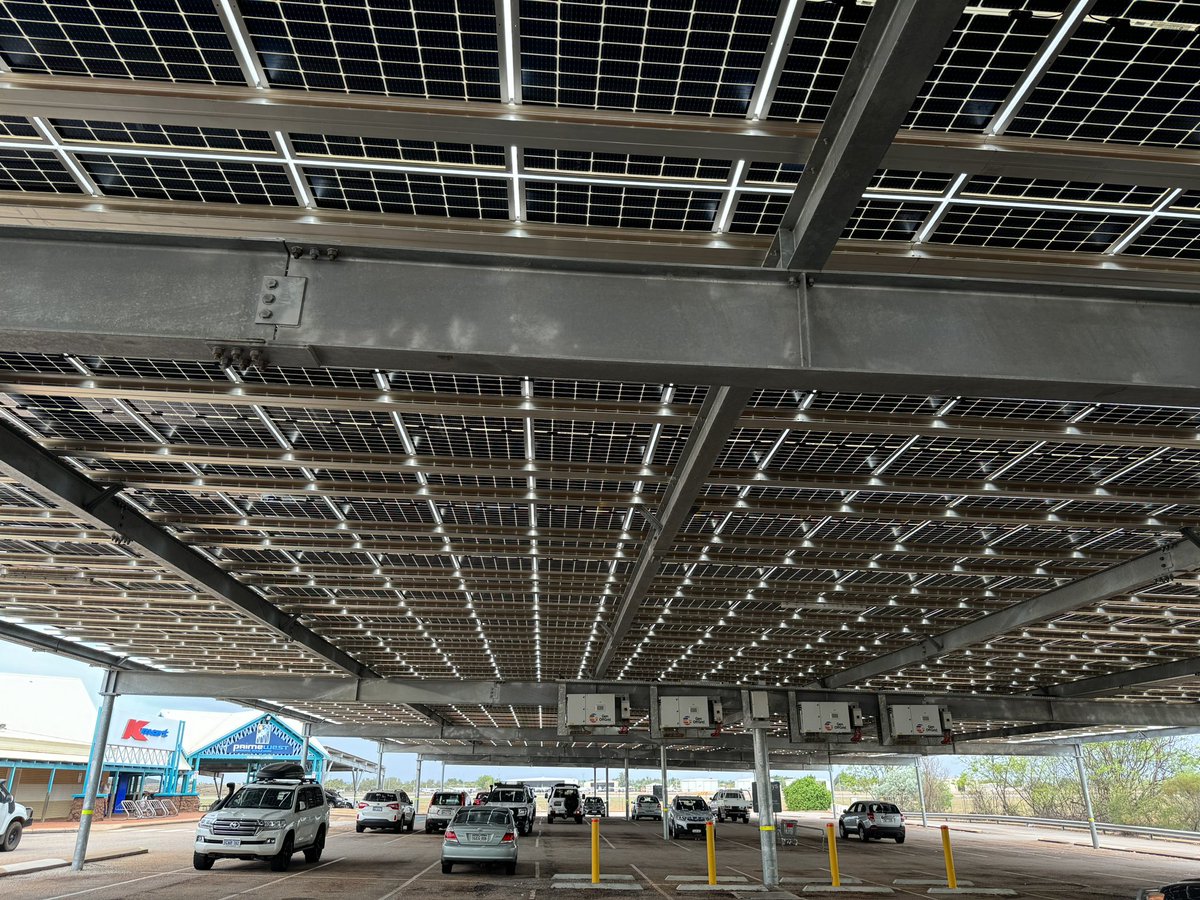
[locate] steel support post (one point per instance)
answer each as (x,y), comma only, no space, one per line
(1087,796)
(832,791)
(442,783)
(766,811)
(662,750)
(95,770)
(627,785)
(417,792)
(921,794)
(379,769)
(304,744)
(607,807)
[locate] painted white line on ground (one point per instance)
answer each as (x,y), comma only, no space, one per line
(411,880)
(604,838)
(259,887)
(120,883)
(740,872)
(646,878)
(537,870)
(740,844)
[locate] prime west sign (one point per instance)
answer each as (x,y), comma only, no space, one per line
(261,738)
(156,733)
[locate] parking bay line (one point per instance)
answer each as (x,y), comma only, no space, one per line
(392,894)
(120,883)
(646,878)
(259,887)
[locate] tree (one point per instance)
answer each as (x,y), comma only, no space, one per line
(806,794)
(1179,803)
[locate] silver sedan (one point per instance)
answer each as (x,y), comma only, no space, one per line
(481,835)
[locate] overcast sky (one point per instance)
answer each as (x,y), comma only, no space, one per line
(21,660)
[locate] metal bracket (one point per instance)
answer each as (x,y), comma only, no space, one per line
(280,300)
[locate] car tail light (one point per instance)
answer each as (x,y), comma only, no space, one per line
(508,838)
(393,806)
(871,817)
(901,818)
(362,805)
(451,836)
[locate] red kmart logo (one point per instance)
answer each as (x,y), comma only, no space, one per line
(139,730)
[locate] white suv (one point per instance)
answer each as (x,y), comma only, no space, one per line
(268,819)
(566,802)
(386,809)
(14,818)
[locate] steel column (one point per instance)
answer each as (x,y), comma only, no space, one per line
(627,786)
(766,811)
(1087,796)
(665,795)
(921,794)
(95,770)
(379,769)
(307,735)
(417,792)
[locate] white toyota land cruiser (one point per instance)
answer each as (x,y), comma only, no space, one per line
(14,818)
(271,818)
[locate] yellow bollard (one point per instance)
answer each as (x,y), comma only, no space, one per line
(951,878)
(835,875)
(595,851)
(712,852)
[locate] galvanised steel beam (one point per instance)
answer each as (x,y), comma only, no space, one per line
(894,55)
(37,640)
(715,420)
(1148,569)
(39,470)
(1131,680)
(167,299)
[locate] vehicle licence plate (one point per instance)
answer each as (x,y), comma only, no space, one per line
(376,809)
(231,842)
(479,838)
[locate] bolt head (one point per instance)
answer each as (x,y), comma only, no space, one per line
(266,314)
(268,298)
(272,282)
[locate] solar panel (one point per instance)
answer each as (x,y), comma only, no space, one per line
(182,136)
(774,173)
(586,162)
(421,48)
(208,181)
(618,206)
(1169,238)
(825,37)
(408,194)
(1029,229)
(1035,189)
(886,220)
(757,213)
(433,152)
(913,182)
(166,40)
(16,127)
(984,59)
(1122,82)
(35,170)
(673,56)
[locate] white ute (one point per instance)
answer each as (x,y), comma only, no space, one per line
(14,818)
(731,805)
(272,818)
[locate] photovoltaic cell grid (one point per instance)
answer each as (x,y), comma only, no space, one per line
(208,181)
(1035,189)
(757,213)
(167,40)
(433,152)
(181,136)
(825,37)
(886,220)
(666,167)
(670,56)
(1169,238)
(35,170)
(420,48)
(1122,82)
(408,194)
(1028,229)
(15,126)
(618,206)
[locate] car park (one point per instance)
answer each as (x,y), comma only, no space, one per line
(647,806)
(443,806)
(481,835)
(566,802)
(14,819)
(519,800)
(594,806)
(688,815)
(271,818)
(872,820)
(391,810)
(732,805)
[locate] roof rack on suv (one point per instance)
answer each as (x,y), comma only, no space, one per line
(283,771)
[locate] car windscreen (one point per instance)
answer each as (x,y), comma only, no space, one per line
(261,798)
(506,797)
(380,797)
(566,792)
(691,804)
(499,817)
(885,808)
(647,798)
(446,800)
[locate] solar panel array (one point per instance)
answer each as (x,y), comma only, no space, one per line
(1120,75)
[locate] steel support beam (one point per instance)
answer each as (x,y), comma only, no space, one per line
(766,810)
(1131,680)
(1141,571)
(746,328)
(897,50)
(37,640)
(41,471)
(95,771)
(718,416)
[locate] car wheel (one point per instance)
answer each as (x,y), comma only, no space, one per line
(313,853)
(429,829)
(12,837)
(202,862)
(720,816)
(412,822)
(899,839)
(579,820)
(447,868)
(842,830)
(510,868)
(360,828)
(281,860)
(549,818)
(862,834)
(399,826)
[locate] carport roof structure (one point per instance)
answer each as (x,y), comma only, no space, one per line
(815,345)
